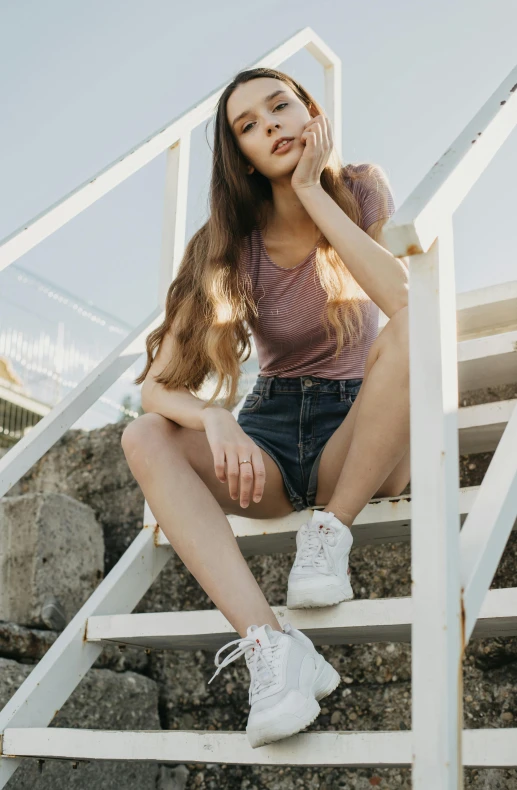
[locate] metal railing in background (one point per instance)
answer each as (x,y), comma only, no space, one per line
(16,420)
(52,350)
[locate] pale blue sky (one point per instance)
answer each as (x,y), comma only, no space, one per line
(81,83)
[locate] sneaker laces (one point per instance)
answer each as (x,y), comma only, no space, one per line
(261,661)
(314,548)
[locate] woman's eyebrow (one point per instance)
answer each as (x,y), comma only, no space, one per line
(266,100)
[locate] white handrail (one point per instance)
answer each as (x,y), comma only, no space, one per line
(44,224)
(64,414)
(419,220)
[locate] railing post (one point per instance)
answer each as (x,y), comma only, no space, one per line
(437,648)
(334,102)
(174,213)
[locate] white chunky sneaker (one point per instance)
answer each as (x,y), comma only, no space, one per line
(327,679)
(320,575)
(288,677)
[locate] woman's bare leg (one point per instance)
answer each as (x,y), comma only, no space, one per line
(368,455)
(174,468)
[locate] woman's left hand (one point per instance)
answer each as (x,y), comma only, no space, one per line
(317,136)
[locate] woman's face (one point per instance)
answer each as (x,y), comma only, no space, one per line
(267,118)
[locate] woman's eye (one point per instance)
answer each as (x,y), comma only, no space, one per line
(283,104)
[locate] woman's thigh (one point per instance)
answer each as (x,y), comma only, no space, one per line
(153,431)
(336,448)
(334,455)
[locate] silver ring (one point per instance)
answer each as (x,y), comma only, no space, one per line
(245,462)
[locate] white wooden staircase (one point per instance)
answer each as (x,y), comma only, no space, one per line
(454,346)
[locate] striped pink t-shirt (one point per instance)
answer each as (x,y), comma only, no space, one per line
(290,338)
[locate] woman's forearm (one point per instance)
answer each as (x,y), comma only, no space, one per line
(180,405)
(379,273)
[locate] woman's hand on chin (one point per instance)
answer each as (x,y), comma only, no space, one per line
(317,137)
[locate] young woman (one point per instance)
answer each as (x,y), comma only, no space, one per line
(293,252)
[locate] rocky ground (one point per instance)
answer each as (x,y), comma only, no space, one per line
(135,690)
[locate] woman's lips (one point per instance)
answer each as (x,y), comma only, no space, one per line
(284,147)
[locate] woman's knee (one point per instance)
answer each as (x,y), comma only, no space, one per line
(145,430)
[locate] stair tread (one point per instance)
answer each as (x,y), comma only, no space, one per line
(386,520)
(488,360)
(480,427)
(351,622)
(481,747)
(486,310)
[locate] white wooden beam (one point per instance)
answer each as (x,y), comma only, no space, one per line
(482,311)
(353,622)
(436,711)
(487,310)
(174,214)
(488,525)
(481,426)
(487,361)
(483,748)
(385,520)
(431,205)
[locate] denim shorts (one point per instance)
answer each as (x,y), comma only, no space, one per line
(292,419)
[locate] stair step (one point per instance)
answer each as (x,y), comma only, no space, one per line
(386,520)
(485,311)
(482,748)
(480,427)
(351,622)
(487,361)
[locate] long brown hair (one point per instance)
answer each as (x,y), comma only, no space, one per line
(209,309)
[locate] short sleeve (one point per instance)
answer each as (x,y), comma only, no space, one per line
(371,188)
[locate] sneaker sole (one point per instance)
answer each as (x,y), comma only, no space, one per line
(310,599)
(288,724)
(285,725)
